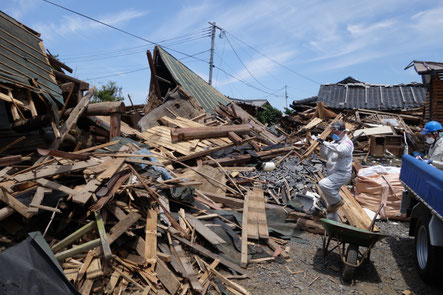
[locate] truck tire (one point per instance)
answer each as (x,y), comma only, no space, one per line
(351,258)
(428,257)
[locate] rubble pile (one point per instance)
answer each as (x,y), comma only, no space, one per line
(160,200)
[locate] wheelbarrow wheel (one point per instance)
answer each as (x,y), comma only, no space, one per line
(351,258)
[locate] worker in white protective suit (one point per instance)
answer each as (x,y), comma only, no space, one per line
(431,131)
(339,167)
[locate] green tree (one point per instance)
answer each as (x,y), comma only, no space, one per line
(289,111)
(108,92)
(269,114)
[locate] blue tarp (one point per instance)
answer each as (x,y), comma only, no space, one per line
(425,180)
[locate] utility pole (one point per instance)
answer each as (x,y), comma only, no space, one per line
(211,60)
(286,95)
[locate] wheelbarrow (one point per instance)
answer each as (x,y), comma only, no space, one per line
(349,239)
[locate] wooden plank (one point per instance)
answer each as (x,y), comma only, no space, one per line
(353,211)
(374,131)
(151,236)
(85,194)
(12,100)
(8,146)
(156,197)
(15,204)
(37,199)
(200,227)
(167,277)
(314,122)
(56,186)
(103,236)
(226,201)
(323,136)
(205,252)
(54,170)
(229,283)
(114,166)
(94,270)
(61,154)
(257,224)
(123,225)
(274,246)
(189,271)
(244,233)
(87,287)
(84,267)
(112,282)
(73,117)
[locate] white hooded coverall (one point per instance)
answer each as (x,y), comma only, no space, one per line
(339,167)
(435,154)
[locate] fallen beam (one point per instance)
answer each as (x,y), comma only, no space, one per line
(181,134)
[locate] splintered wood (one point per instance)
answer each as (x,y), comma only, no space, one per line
(257,224)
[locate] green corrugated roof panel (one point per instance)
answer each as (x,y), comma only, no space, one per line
(22,58)
(206,95)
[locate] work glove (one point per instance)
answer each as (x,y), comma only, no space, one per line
(426,161)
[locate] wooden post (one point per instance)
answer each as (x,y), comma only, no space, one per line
(103,236)
(153,75)
(114,129)
(244,234)
(151,237)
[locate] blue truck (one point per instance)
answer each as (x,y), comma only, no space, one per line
(423,202)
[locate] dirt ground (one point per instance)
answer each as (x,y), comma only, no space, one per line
(391,270)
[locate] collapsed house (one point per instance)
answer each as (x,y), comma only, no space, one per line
(177,90)
(165,198)
(432,76)
(351,94)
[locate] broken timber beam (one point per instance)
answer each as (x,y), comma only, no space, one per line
(323,136)
(181,134)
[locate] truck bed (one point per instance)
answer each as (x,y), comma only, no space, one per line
(425,181)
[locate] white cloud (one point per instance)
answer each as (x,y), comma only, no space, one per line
(259,66)
(71,24)
(18,8)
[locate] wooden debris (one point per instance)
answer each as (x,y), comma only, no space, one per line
(257,224)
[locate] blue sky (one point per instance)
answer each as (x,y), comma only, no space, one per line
(319,41)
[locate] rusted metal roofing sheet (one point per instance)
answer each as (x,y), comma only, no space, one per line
(22,58)
(206,95)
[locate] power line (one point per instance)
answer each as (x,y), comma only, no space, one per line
(151,42)
(200,33)
(273,60)
(136,70)
(236,54)
(118,74)
(108,56)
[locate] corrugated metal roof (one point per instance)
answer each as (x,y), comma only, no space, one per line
(206,95)
(424,67)
(368,96)
(22,58)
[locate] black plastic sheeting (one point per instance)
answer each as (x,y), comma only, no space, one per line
(30,267)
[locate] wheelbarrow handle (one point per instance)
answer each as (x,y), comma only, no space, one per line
(371,227)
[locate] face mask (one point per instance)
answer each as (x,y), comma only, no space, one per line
(337,137)
(430,140)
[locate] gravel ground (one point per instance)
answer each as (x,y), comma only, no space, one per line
(391,270)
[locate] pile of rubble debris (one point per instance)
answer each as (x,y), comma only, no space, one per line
(167,197)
